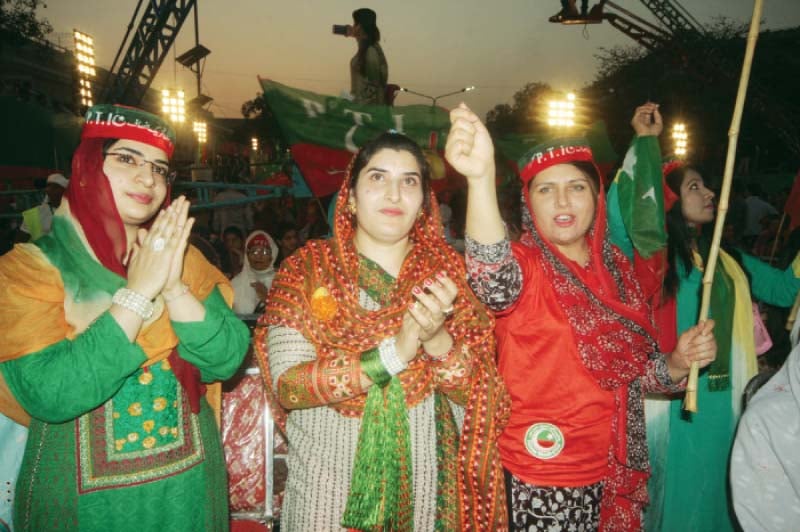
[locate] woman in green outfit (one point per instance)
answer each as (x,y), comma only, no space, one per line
(689,453)
(111,326)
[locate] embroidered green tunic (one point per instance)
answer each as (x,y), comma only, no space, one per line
(114,445)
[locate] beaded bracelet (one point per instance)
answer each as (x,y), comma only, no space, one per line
(134,301)
(392,362)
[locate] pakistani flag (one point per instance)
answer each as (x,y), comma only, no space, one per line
(324,132)
(641,207)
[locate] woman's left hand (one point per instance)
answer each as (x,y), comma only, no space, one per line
(433,307)
(178,215)
(696,344)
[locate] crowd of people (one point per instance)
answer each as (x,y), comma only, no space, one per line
(488,365)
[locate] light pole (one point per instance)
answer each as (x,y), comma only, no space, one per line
(434,99)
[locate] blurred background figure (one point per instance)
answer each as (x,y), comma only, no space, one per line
(252,284)
(36,221)
(765,480)
(288,242)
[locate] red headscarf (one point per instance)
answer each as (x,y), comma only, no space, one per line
(91,203)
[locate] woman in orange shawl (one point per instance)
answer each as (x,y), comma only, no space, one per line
(110,324)
(381,364)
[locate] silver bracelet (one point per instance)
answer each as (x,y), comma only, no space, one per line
(389,358)
(135,302)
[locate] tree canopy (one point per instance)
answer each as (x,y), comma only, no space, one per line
(695,78)
(18,20)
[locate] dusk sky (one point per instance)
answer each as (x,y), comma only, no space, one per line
(433,46)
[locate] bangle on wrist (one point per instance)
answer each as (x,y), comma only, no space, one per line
(381,363)
(183,291)
(388,354)
(133,301)
(441,358)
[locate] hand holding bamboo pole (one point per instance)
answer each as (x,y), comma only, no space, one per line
(690,403)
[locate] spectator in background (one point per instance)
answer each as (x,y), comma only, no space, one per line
(369,71)
(736,219)
(201,239)
(36,221)
(232,256)
(240,216)
(315,224)
(757,209)
(765,240)
(252,284)
(288,242)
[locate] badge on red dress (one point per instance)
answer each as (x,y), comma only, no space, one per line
(544,440)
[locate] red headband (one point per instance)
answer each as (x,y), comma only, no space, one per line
(121,122)
(258,240)
(543,157)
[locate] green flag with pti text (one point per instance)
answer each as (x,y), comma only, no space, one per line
(324,132)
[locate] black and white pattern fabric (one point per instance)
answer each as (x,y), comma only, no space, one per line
(552,509)
(494,274)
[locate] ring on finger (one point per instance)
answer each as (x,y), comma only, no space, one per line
(159,244)
(449,310)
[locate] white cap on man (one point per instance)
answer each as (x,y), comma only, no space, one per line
(58,179)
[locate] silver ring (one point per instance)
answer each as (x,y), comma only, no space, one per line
(159,244)
(448,311)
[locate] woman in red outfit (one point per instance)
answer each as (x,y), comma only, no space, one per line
(574,334)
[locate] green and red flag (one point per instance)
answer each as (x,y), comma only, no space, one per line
(639,187)
(324,132)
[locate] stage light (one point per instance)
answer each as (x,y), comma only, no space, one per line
(680,138)
(201,131)
(85,66)
(561,112)
(173,105)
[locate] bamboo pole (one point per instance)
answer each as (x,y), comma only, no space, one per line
(690,403)
(793,314)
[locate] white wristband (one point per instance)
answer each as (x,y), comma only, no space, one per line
(389,358)
(134,301)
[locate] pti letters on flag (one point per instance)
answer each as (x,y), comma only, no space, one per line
(324,132)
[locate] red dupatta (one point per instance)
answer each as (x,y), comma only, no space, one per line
(334,265)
